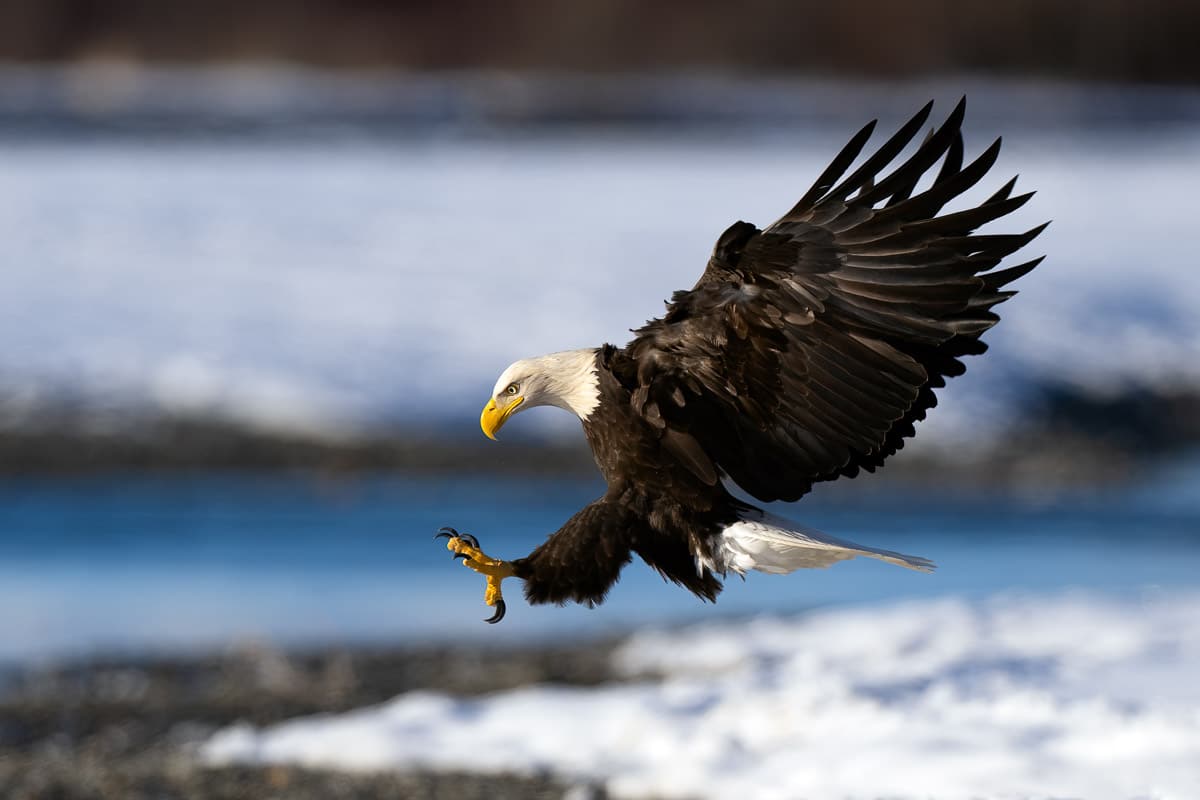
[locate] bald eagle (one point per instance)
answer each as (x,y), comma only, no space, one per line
(806,352)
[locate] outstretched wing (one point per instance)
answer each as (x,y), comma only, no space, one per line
(808,350)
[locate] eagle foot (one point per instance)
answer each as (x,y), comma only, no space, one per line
(466,547)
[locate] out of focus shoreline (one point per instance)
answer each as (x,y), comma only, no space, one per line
(129,726)
(276,278)
(1069,438)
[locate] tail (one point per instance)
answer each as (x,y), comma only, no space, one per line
(772,544)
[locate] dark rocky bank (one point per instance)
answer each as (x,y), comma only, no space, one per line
(128,728)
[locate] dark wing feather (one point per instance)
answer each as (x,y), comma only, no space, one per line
(808,350)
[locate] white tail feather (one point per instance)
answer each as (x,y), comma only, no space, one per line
(772,544)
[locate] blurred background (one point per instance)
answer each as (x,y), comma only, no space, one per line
(261,262)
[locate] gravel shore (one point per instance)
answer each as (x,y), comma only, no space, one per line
(127,728)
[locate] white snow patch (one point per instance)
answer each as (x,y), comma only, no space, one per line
(1063,696)
(335,287)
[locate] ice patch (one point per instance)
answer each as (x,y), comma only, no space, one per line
(1063,696)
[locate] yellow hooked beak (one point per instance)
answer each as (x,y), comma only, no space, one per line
(493,417)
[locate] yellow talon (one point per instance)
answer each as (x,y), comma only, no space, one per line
(493,568)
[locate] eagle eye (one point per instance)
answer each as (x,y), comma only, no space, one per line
(511,390)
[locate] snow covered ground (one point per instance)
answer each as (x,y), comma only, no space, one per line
(1068,695)
(333,285)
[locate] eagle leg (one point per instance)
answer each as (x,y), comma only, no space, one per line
(466,547)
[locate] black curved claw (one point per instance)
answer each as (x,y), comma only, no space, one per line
(499,615)
(469,539)
(447,532)
(463,556)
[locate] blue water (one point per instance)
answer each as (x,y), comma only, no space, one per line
(185,562)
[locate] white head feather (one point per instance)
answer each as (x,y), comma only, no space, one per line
(567,380)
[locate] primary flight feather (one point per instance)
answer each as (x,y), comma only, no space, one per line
(806,351)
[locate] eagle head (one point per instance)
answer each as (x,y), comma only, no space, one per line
(567,380)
